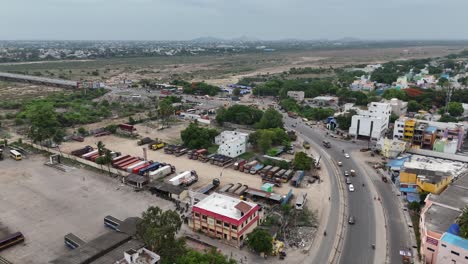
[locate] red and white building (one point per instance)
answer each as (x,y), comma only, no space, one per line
(225,217)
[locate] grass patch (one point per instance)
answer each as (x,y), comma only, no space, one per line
(247,155)
(213,149)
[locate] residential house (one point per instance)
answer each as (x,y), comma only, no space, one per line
(399,107)
(296,95)
(421,173)
(391,148)
(232,143)
(437,136)
(440,240)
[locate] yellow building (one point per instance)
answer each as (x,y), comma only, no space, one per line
(407,177)
(434,184)
(409,129)
(429,181)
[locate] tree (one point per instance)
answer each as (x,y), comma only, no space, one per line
(82,131)
(344,120)
(260,241)
(414,106)
(209,257)
(455,109)
(302,161)
(394,93)
(158,230)
(447,118)
(414,206)
(44,124)
(131,121)
(393,118)
(236,91)
(270,119)
(196,137)
(165,110)
(100,146)
(442,81)
(463,223)
(239,114)
(264,143)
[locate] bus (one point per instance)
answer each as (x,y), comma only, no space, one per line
(112,222)
(300,201)
(15,155)
(11,240)
(73,241)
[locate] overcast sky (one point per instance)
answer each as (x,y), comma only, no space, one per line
(264,19)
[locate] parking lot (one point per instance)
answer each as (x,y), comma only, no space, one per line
(45,204)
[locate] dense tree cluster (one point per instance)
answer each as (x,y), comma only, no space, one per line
(158,230)
(264,139)
(344,120)
(199,88)
(270,119)
(302,161)
(239,114)
(196,137)
(260,241)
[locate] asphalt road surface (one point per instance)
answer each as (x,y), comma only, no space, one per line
(360,236)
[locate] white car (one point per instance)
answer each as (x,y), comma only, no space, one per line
(346,155)
(351,188)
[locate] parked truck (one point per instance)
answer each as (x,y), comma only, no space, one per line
(239,163)
(160,173)
(82,151)
(207,188)
(265,170)
(185,178)
(144,141)
(297,179)
(273,171)
(181,151)
(156,145)
(256,168)
(287,176)
(249,165)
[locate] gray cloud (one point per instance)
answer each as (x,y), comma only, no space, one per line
(265,19)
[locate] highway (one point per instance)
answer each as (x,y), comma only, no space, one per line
(361,203)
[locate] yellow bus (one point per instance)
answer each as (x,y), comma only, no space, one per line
(15,155)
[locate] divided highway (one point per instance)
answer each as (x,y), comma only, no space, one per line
(359,237)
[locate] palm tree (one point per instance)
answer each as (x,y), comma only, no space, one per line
(463,223)
(100,147)
(108,160)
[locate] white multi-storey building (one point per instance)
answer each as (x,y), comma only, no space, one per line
(232,143)
(371,123)
(399,107)
(296,95)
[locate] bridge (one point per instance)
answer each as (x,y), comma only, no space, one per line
(38,80)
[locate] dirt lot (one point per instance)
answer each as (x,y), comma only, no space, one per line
(207,172)
(45,204)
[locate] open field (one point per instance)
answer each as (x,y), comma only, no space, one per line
(222,69)
(45,204)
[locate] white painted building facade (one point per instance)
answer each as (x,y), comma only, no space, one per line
(371,123)
(296,95)
(232,143)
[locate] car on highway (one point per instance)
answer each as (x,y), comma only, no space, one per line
(348,181)
(340,163)
(346,155)
(293,125)
(351,188)
(346,173)
(351,220)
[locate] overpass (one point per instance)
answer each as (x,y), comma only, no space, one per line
(38,80)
